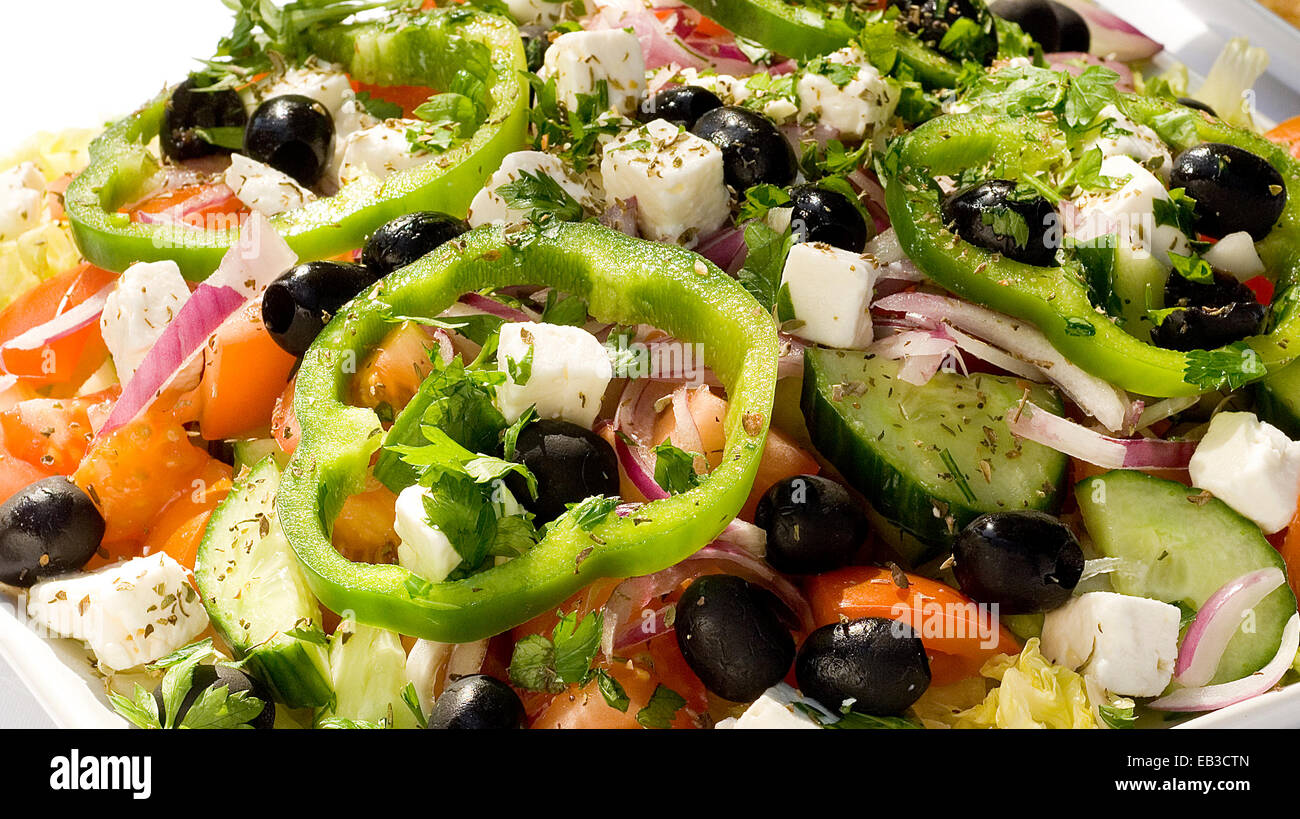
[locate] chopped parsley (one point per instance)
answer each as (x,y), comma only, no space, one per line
(1232,367)
(553,663)
(661,708)
(675,469)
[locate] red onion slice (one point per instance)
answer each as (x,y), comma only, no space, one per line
(1214,697)
(1033,423)
(726,248)
(495,308)
(621,216)
(61,326)
(639,466)
(175,215)
(1217,621)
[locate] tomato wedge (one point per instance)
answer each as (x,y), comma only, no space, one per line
(1287,133)
(76,354)
(54,433)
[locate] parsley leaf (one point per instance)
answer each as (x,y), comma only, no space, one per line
(1088,93)
(612,690)
(1193,268)
(510,438)
(446,118)
(765,261)
(1179,211)
(216,707)
(760,199)
(553,663)
(566,310)
(592,511)
(544,200)
(1232,366)
(521,369)
(675,469)
(377,108)
(412,701)
(661,708)
(1118,715)
(573,134)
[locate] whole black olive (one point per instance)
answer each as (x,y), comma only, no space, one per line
(1025,562)
(214,676)
(293,134)
(190,110)
(734,636)
(821,215)
(298,304)
(754,151)
(682,105)
(998,216)
(47,528)
(876,665)
(1207,314)
(1036,17)
(812,523)
(1234,189)
(571,463)
(1075,35)
(930,21)
(477,702)
(1191,102)
(407,238)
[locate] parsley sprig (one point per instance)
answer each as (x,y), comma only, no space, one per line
(214,707)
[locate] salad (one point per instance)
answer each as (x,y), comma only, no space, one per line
(661,364)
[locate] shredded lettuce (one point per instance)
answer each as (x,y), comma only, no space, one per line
(1032,693)
(1227,88)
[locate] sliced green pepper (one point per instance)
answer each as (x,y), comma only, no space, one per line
(481,55)
(1056,299)
(622,280)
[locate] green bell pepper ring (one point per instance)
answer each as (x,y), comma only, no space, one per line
(1055,299)
(480,54)
(623,280)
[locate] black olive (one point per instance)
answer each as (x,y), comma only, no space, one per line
(1025,562)
(407,238)
(1037,18)
(298,304)
(876,664)
(1075,35)
(293,134)
(536,42)
(682,105)
(754,151)
(812,523)
(930,20)
(992,213)
(1207,314)
(1190,102)
(1181,291)
(734,636)
(1234,189)
(190,109)
(477,702)
(47,528)
(571,463)
(212,676)
(820,215)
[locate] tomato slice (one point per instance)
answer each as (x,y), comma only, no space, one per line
(54,433)
(224,203)
(244,372)
(1287,133)
(1262,288)
(284,424)
(16,473)
(76,354)
(956,634)
(409,97)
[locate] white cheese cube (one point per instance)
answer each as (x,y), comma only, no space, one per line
(545,13)
(22,191)
(489,208)
(568,371)
(856,109)
(830,290)
(579,60)
(263,188)
(1129,212)
(1235,254)
(128,614)
(1127,645)
(379,150)
(1124,137)
(323,83)
(675,177)
(352,118)
(775,709)
(147,297)
(1251,466)
(424,549)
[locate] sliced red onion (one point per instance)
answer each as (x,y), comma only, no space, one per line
(621,216)
(1112,36)
(686,435)
(1033,423)
(61,326)
(175,215)
(873,197)
(1214,697)
(790,362)
(1094,396)
(1166,408)
(649,625)
(1074,63)
(493,307)
(747,536)
(912,343)
(660,44)
(1217,622)
(994,356)
(726,248)
(639,466)
(247,268)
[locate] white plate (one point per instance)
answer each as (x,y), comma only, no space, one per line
(106,57)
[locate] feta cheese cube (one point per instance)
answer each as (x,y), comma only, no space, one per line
(263,188)
(424,549)
(352,118)
(830,290)
(675,177)
(1124,137)
(545,13)
(567,373)
(22,191)
(322,82)
(1129,212)
(775,709)
(863,104)
(1250,465)
(579,60)
(128,614)
(379,150)
(1235,254)
(489,208)
(1127,645)
(147,297)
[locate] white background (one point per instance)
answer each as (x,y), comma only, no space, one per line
(82,62)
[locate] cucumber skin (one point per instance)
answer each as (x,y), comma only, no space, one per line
(1247,652)
(295,672)
(894,494)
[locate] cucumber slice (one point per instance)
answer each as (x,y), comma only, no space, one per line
(889,440)
(1139,284)
(250,451)
(256,595)
(1277,399)
(1183,552)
